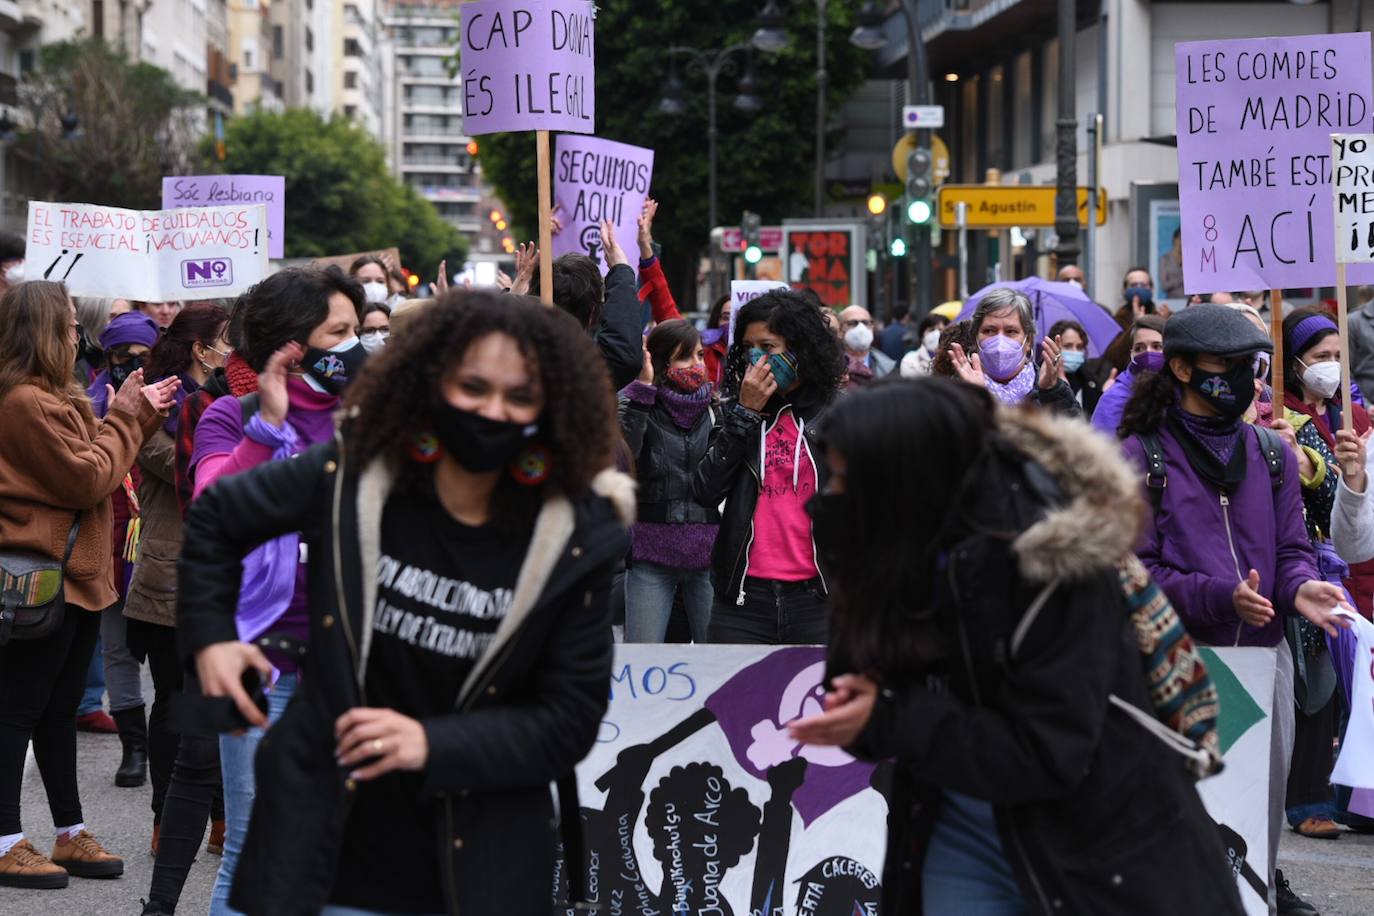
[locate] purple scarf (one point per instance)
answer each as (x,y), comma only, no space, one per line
(685,409)
(1017,389)
(188,386)
(1214,434)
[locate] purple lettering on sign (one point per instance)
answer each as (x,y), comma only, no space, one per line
(528,65)
(212,272)
(1254,119)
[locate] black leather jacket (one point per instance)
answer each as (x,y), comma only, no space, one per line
(666,456)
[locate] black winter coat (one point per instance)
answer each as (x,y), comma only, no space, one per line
(528,713)
(730,472)
(620,333)
(1096,817)
(666,456)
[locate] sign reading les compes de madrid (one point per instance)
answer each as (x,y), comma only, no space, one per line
(528,65)
(1254,122)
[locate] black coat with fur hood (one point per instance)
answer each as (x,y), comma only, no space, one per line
(1095,815)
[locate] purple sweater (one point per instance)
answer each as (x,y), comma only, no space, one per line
(1187,546)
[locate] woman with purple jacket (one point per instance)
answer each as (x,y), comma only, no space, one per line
(1226,541)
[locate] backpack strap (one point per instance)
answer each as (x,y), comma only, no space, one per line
(1156,474)
(1271,443)
(249,404)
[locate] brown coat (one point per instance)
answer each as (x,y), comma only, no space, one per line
(153,588)
(58,460)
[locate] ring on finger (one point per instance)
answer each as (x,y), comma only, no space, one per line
(377,745)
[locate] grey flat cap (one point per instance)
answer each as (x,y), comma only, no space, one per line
(1215,329)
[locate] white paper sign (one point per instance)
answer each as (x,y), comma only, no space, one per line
(1352,187)
(1355,767)
(742,291)
(150,255)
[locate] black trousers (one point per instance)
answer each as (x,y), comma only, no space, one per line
(41,682)
(157,645)
(1309,774)
(774,613)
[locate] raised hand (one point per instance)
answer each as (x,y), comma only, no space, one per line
(757,386)
(272,403)
(645,222)
(441,282)
(610,245)
(1351,452)
(1051,364)
(526,259)
(970,369)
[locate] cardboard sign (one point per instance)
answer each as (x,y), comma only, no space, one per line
(221,190)
(694,799)
(596,179)
(1254,119)
(528,65)
(741,292)
(827,259)
(150,255)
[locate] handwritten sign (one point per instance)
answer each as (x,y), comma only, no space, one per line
(528,65)
(598,179)
(742,292)
(152,255)
(1254,119)
(227,190)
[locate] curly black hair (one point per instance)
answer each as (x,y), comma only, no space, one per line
(795,318)
(961,333)
(391,402)
(1154,393)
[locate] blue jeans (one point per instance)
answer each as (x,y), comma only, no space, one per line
(236,761)
(965,870)
(93,699)
(649,591)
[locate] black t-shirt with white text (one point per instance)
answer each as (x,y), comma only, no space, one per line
(443,588)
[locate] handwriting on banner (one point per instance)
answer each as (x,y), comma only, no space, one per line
(152,255)
(221,190)
(1353,187)
(528,65)
(597,179)
(742,292)
(1254,119)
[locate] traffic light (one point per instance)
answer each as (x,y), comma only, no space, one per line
(919,186)
(898,249)
(751,228)
(877,204)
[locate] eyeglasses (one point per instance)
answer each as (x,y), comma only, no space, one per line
(855,322)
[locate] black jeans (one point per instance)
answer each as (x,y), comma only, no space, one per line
(773,614)
(194,795)
(158,646)
(41,682)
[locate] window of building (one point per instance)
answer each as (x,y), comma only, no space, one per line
(278,42)
(309,39)
(249,44)
(350,111)
(309,83)
(351,80)
(352,48)
(98,18)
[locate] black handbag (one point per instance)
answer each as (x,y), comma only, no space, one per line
(31,602)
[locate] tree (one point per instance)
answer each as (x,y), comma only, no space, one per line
(340,195)
(766,159)
(101,129)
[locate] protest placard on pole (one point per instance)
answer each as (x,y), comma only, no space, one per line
(597,179)
(221,190)
(150,255)
(1254,119)
(1352,190)
(741,292)
(530,65)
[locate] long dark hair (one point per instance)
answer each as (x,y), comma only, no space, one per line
(35,340)
(172,354)
(390,403)
(717,307)
(1292,372)
(908,445)
(669,341)
(1154,393)
(794,318)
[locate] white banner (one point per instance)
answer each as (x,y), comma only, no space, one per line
(149,255)
(741,292)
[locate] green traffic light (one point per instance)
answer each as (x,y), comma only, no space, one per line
(919,212)
(898,248)
(753,254)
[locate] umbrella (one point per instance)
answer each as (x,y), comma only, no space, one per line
(1054,302)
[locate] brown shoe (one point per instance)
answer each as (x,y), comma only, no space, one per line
(24,866)
(83,857)
(1319,828)
(216,845)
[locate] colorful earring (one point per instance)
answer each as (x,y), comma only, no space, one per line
(424,448)
(533,466)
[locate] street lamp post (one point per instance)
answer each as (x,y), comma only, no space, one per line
(713,64)
(772,37)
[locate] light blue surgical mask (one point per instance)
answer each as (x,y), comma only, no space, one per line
(1073,360)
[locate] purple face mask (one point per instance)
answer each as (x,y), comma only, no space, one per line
(1149,361)
(713,336)
(1001,356)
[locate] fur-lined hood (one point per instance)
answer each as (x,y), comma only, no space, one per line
(1100,522)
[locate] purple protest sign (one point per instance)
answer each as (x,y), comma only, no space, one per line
(596,179)
(528,65)
(224,190)
(1254,121)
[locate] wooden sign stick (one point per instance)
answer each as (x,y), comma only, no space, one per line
(545,218)
(1276,333)
(1343,328)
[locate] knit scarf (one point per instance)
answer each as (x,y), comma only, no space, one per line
(241,376)
(685,409)
(1017,389)
(860,373)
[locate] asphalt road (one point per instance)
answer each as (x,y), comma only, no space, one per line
(1335,876)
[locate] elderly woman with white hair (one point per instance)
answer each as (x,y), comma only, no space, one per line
(1004,326)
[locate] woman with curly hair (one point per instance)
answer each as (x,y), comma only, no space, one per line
(783,370)
(462,527)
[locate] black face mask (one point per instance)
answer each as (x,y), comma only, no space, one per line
(93,355)
(334,368)
(1229,392)
(480,444)
(118,373)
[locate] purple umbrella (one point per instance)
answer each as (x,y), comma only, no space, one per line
(1054,302)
